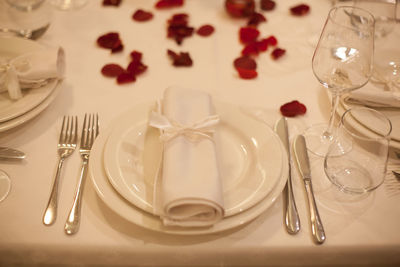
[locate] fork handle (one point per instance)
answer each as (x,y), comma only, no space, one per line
(50,213)
(73,220)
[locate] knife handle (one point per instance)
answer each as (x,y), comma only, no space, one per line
(316,223)
(292,220)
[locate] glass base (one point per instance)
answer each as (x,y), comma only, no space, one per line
(5,185)
(317,140)
(68,4)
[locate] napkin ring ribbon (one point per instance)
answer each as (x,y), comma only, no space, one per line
(171,129)
(10,70)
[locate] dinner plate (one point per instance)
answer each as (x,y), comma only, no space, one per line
(11,47)
(250,158)
(7,125)
(360,124)
(136,215)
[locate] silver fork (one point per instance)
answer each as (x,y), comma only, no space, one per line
(66,145)
(90,131)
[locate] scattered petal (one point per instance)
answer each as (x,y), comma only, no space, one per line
(112,70)
(178,28)
(277,53)
(111,2)
(271,40)
(136,67)
(126,77)
(205,30)
(267,5)
(248,34)
(250,49)
(180,60)
(300,10)
(142,15)
(161,4)
(136,56)
(293,109)
(110,41)
(239,9)
(247,74)
(255,19)
(246,63)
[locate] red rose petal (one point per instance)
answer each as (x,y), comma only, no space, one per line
(178,28)
(239,9)
(250,49)
(255,19)
(136,56)
(110,41)
(293,108)
(262,45)
(271,40)
(161,4)
(277,53)
(126,77)
(247,74)
(112,70)
(248,34)
(136,67)
(180,60)
(111,2)
(300,10)
(246,63)
(142,15)
(267,5)
(205,30)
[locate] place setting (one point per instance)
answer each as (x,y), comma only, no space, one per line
(30,76)
(222,172)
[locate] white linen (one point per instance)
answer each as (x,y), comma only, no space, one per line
(188,189)
(31,70)
(375,97)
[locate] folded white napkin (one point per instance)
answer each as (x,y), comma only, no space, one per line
(374,97)
(31,70)
(188,190)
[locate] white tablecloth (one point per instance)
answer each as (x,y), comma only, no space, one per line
(359,230)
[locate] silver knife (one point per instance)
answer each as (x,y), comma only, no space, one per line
(300,151)
(292,220)
(10,153)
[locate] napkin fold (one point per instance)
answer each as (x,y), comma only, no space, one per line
(374,97)
(31,70)
(188,191)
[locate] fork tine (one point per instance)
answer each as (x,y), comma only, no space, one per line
(84,130)
(75,139)
(62,136)
(92,129)
(97,125)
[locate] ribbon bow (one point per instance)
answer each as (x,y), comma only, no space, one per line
(11,80)
(171,128)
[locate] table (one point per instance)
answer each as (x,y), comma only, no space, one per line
(360,230)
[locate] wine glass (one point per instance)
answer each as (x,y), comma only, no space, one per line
(357,161)
(342,62)
(68,4)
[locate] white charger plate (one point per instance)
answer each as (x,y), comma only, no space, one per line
(250,158)
(11,47)
(136,215)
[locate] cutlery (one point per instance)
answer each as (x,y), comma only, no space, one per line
(33,35)
(90,130)
(66,146)
(10,153)
(292,220)
(303,162)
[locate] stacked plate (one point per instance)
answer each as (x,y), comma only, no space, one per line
(370,128)
(125,159)
(16,112)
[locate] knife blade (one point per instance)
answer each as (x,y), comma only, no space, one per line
(292,220)
(10,153)
(300,151)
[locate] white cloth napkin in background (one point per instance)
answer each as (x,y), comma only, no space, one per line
(374,97)
(31,70)
(189,189)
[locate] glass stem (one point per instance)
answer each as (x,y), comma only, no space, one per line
(328,134)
